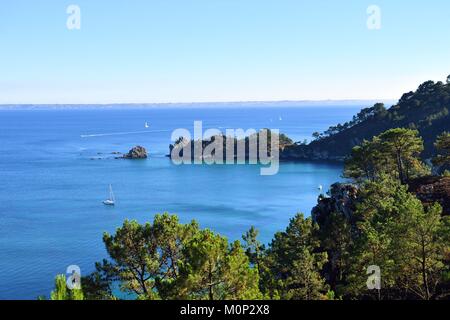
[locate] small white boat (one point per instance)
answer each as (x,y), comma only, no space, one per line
(280,118)
(111,200)
(147,125)
(320,188)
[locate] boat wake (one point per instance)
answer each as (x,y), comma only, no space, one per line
(120,133)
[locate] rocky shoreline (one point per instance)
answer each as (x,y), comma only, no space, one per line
(307,152)
(137,152)
(343,197)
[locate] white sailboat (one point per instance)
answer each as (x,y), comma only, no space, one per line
(111,200)
(147,125)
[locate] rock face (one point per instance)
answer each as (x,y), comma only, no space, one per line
(432,189)
(309,152)
(137,152)
(342,199)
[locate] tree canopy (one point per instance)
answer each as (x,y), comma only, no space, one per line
(395,152)
(442,145)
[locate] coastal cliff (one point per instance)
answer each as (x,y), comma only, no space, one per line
(343,197)
(432,189)
(426,110)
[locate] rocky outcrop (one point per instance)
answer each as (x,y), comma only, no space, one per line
(341,199)
(430,190)
(137,152)
(208,149)
(309,152)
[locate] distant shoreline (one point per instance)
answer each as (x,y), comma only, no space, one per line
(187,105)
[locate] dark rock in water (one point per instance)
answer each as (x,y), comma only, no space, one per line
(430,190)
(116,152)
(137,152)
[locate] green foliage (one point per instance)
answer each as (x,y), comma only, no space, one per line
(96,286)
(406,240)
(169,260)
(61,292)
(420,250)
(253,248)
(144,257)
(331,295)
(293,263)
(425,110)
(316,135)
(432,118)
(394,151)
(377,111)
(305,281)
(374,244)
(212,269)
(365,161)
(442,145)
(403,146)
(335,235)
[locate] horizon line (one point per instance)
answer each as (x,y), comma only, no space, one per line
(198,102)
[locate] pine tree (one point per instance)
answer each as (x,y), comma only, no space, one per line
(294,263)
(305,282)
(443,147)
(394,152)
(61,292)
(253,248)
(212,269)
(144,258)
(365,161)
(423,240)
(404,147)
(407,242)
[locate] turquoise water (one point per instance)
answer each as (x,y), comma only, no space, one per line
(51,215)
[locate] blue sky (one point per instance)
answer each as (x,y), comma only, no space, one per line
(219,50)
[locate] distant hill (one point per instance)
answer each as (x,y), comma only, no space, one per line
(426,109)
(231,104)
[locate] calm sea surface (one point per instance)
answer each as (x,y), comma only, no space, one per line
(56,166)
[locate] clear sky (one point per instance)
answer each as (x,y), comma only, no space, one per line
(219,50)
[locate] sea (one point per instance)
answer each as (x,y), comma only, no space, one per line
(56,165)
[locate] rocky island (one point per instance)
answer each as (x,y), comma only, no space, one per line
(137,152)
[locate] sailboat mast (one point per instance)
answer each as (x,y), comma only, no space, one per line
(111,194)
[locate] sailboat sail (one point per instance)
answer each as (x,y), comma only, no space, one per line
(111,194)
(111,200)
